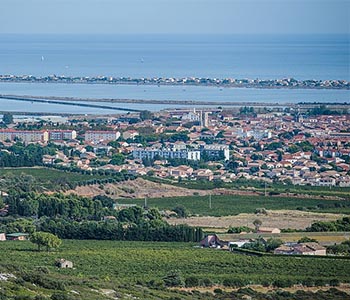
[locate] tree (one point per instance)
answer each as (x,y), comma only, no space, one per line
(272,244)
(145,115)
(180,211)
(257,223)
(45,239)
(7,118)
(306,239)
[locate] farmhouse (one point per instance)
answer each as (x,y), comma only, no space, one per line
(19,236)
(301,249)
(212,241)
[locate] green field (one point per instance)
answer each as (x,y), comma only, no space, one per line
(138,268)
(234,204)
(50,178)
(243,184)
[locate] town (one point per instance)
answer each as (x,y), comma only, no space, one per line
(210,145)
(226,82)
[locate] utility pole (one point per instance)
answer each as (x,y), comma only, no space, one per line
(145,202)
(265,189)
(210,201)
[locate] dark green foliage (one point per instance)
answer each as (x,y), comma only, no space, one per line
(24,156)
(191,281)
(338,225)
(145,115)
(340,249)
(60,296)
(239,229)
(180,211)
(7,118)
(306,239)
(173,278)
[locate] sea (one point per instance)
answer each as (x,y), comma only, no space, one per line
(320,57)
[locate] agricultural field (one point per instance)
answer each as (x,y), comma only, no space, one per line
(140,269)
(282,219)
(226,205)
(256,186)
(48,177)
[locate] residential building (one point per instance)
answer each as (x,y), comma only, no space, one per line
(215,151)
(57,135)
(166,154)
(101,136)
(25,136)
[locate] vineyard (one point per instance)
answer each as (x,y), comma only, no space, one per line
(225,205)
(106,264)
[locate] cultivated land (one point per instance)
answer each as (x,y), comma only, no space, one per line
(137,268)
(227,205)
(275,218)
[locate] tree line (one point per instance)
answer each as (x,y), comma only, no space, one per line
(75,217)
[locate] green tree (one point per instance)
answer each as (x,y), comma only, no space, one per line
(117,159)
(306,239)
(257,223)
(146,115)
(272,244)
(180,211)
(45,239)
(7,118)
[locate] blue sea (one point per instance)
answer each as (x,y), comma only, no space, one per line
(236,56)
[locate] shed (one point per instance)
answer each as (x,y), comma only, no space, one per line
(63,263)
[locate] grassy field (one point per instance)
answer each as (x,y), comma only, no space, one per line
(138,267)
(235,204)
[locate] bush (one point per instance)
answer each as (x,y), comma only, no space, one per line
(60,296)
(173,278)
(218,291)
(334,282)
(191,281)
(206,282)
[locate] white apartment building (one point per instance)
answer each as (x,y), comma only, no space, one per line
(216,151)
(166,154)
(25,136)
(101,136)
(57,135)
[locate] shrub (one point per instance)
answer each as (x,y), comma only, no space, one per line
(191,281)
(218,291)
(206,282)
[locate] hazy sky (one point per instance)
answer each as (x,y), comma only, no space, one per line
(175,16)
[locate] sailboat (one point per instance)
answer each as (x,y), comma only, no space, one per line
(42,58)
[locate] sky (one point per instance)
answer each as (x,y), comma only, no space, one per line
(175,16)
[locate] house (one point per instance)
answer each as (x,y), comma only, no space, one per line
(63,263)
(311,248)
(212,241)
(2,237)
(269,230)
(239,243)
(19,236)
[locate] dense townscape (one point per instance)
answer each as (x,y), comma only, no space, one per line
(196,145)
(226,82)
